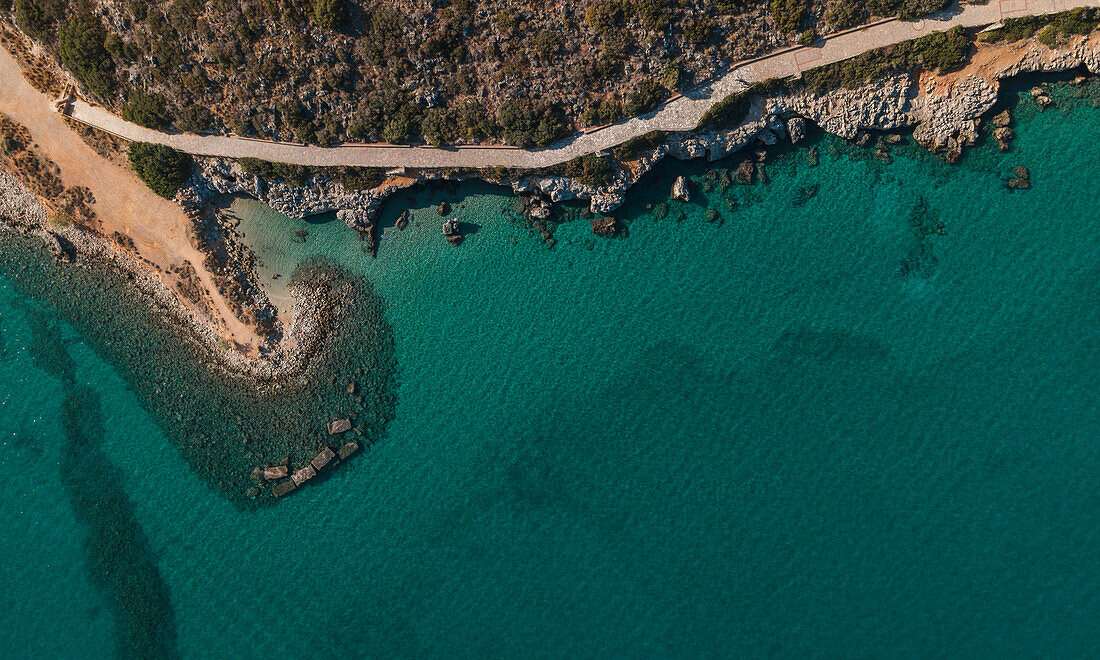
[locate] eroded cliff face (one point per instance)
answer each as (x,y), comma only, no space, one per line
(944,112)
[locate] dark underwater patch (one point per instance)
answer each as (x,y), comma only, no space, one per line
(119,560)
(223,425)
(829,345)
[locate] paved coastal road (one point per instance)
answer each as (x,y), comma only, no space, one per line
(682,113)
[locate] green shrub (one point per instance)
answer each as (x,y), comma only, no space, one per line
(148,110)
(295,175)
(844,14)
(361,178)
(651,13)
(645,98)
(162,168)
(1050,30)
(732,110)
(438,127)
(590,170)
(943,51)
(81,49)
(906,8)
(194,119)
(788,14)
(472,122)
(602,15)
(698,31)
(403,126)
(328,14)
(38,17)
(1048,36)
(636,146)
(527,123)
(730,6)
(601,111)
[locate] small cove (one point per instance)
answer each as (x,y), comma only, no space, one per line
(817,426)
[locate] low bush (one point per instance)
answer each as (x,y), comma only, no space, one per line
(601,111)
(1050,30)
(645,98)
(81,49)
(148,110)
(590,170)
(942,51)
(789,14)
(732,110)
(527,123)
(905,8)
(162,168)
(295,175)
(636,146)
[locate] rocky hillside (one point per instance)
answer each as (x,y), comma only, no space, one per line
(440,71)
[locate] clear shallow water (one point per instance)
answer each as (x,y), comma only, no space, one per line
(754,438)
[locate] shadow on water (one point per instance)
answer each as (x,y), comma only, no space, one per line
(119,559)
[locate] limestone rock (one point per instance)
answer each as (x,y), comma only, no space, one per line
(1040,96)
(339,426)
(680,190)
(796,128)
(303,475)
(323,458)
(274,472)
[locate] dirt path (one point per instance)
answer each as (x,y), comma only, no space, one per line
(680,114)
(159,228)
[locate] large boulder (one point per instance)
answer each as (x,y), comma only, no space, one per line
(339,426)
(680,190)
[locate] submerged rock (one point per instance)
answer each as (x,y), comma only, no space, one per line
(1003,136)
(403,220)
(303,475)
(453,231)
(604,227)
(745,172)
(348,449)
(283,488)
(1021,179)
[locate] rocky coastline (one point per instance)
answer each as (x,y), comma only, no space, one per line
(944,113)
(316,311)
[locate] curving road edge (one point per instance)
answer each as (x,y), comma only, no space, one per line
(682,113)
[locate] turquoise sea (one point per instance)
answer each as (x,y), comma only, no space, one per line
(857,416)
